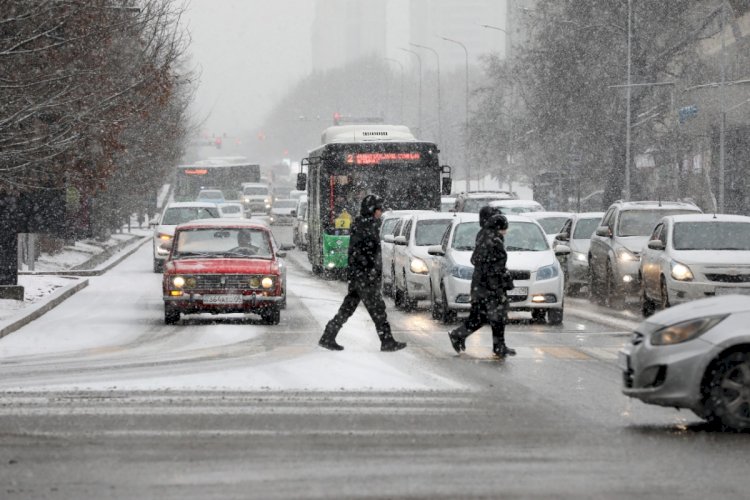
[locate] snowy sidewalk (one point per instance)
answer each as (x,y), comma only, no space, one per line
(57,277)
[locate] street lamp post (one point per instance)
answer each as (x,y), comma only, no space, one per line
(626,189)
(419,99)
(401,100)
(467,165)
(437,57)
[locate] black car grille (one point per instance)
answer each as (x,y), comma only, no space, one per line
(520,275)
(729,278)
(223,281)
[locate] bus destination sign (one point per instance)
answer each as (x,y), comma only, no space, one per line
(378,158)
(196,171)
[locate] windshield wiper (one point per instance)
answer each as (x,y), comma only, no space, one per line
(193,255)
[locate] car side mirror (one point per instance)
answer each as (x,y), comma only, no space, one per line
(400,240)
(293,213)
(436,250)
(656,245)
(562,250)
(605,231)
(562,237)
(286,246)
(388,238)
(281,254)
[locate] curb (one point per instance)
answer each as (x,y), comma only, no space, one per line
(40,309)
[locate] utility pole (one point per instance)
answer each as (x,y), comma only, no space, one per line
(722,104)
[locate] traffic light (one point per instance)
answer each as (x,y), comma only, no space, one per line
(337,118)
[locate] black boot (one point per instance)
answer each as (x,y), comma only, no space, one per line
(503,350)
(328,340)
(389,344)
(457,341)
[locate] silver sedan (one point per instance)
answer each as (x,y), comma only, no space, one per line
(694,356)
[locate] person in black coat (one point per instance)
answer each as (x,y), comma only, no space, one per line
(364,274)
(489,303)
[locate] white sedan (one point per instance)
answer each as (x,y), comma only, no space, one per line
(536,272)
(694,256)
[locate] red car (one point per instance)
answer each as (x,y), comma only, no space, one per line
(224,266)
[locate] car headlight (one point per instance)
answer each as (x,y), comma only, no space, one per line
(418,266)
(462,272)
(304,228)
(267,282)
(266,200)
(165,236)
(547,273)
(581,257)
(625,255)
(178,281)
(681,272)
(687,330)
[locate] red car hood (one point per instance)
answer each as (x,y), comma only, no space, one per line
(221,266)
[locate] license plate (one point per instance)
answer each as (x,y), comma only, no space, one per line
(222,299)
(623,361)
(519,291)
(725,290)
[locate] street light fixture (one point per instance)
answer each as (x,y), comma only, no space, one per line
(467,165)
(437,57)
(419,102)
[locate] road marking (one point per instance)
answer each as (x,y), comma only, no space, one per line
(561,352)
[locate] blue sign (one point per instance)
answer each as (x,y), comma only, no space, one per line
(688,112)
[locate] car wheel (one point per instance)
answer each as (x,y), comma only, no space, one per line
(409,304)
(387,289)
(538,315)
(615,300)
(728,402)
(434,308)
(271,316)
(555,316)
(647,305)
(171,315)
(664,295)
(157,266)
(595,289)
(447,316)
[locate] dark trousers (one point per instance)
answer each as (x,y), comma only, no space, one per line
(370,295)
(490,310)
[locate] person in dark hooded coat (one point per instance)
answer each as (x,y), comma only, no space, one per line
(489,303)
(365,275)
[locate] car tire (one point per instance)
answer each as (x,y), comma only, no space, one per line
(157,266)
(595,289)
(647,305)
(725,404)
(446,316)
(409,304)
(615,300)
(271,316)
(554,316)
(664,294)
(538,316)
(171,315)
(434,309)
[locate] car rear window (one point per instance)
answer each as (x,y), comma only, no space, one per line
(585,228)
(711,235)
(552,225)
(642,222)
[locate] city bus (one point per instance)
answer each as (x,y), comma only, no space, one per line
(219,173)
(356,160)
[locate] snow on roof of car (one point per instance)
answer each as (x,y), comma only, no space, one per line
(696,217)
(223,224)
(191,204)
(545,215)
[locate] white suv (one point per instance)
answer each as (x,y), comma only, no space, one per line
(174,214)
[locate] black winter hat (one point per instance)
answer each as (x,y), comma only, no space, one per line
(370,203)
(486,212)
(497,221)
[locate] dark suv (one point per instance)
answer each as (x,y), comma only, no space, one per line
(473,201)
(614,254)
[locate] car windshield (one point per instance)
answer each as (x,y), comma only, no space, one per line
(711,235)
(178,215)
(525,237)
(250,191)
(642,222)
(552,225)
(521,237)
(222,242)
(285,204)
(585,228)
(430,232)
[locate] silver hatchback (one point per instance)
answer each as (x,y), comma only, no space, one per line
(694,356)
